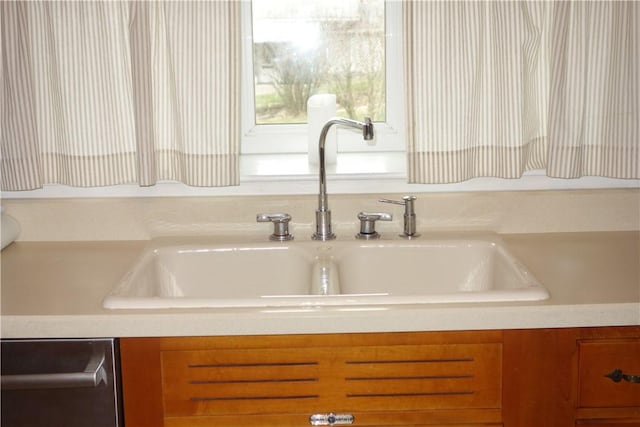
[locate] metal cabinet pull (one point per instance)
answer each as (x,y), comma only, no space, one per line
(94,374)
(330,419)
(617,375)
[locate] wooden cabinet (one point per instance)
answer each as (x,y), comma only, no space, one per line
(451,379)
(511,378)
(609,381)
(556,377)
(609,423)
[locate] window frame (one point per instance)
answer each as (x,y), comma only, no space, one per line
(292,138)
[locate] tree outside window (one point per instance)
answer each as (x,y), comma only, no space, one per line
(332,46)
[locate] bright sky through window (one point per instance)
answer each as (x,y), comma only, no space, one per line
(303,47)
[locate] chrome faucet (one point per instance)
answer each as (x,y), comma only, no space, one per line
(323,213)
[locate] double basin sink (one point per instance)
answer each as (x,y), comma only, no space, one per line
(335,273)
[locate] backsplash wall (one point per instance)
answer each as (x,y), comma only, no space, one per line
(85,219)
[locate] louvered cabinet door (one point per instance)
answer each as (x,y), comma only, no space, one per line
(366,379)
(418,377)
(240,382)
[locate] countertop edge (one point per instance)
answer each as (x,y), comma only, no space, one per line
(415,319)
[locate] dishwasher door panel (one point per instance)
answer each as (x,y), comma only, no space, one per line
(60,383)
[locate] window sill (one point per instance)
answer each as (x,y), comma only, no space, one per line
(260,167)
(359,173)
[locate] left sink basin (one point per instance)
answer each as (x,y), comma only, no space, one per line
(192,276)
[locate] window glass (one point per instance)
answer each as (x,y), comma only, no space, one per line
(303,47)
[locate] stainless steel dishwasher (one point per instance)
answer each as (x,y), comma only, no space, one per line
(57,383)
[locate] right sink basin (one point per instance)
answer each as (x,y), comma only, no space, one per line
(435,271)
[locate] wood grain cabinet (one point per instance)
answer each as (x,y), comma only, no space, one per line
(451,379)
(557,377)
(565,377)
(609,382)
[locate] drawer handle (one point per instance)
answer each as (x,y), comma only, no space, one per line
(617,375)
(330,419)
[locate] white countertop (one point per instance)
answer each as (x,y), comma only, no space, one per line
(55,289)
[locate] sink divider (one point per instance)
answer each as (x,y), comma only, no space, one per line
(325,279)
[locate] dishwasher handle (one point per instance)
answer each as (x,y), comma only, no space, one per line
(93,375)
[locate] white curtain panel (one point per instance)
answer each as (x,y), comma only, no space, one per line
(498,88)
(186,68)
(594,115)
(67,115)
(105,93)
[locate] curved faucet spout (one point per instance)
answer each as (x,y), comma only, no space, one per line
(366,127)
(323,213)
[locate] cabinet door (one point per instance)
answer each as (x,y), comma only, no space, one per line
(323,380)
(609,375)
(609,382)
(556,377)
(378,379)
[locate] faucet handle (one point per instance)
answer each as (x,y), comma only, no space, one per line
(368,224)
(280,225)
(409,215)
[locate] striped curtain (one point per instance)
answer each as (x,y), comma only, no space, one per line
(106,93)
(594,109)
(498,88)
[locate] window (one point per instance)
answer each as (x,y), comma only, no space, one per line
(290,51)
(301,48)
(288,173)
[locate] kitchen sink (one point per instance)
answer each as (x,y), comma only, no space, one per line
(432,271)
(177,276)
(336,273)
